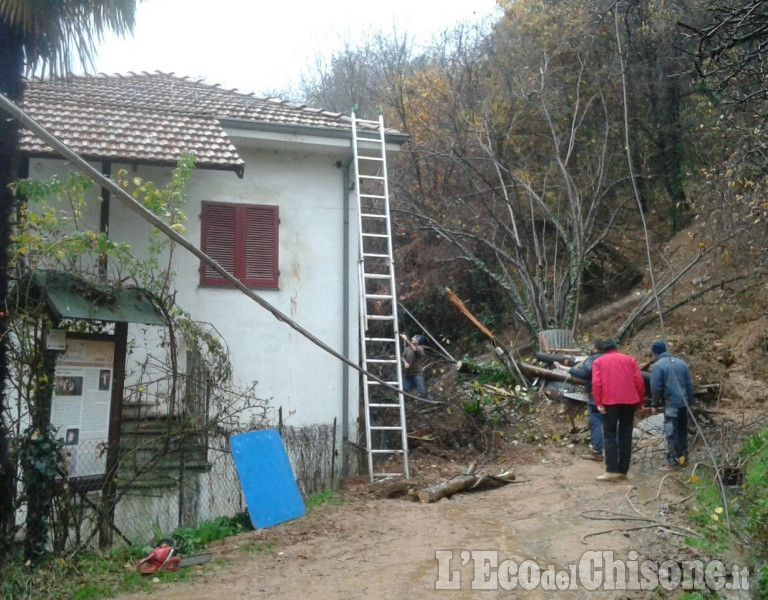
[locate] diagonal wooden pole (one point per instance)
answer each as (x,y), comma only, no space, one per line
(500,349)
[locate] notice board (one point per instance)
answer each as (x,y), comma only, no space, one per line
(80,407)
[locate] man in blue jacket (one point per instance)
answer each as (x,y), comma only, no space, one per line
(672,390)
(584,371)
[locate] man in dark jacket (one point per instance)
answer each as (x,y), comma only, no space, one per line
(672,390)
(413,358)
(618,390)
(584,371)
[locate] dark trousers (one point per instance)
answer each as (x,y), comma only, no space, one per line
(595,426)
(676,432)
(416,381)
(618,422)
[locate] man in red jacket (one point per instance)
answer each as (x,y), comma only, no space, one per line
(618,390)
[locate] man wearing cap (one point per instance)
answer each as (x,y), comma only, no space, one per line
(672,391)
(618,390)
(413,357)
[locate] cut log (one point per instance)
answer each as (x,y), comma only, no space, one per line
(568,361)
(548,374)
(461,483)
(446,489)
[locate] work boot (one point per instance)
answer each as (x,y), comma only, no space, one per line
(611,477)
(592,455)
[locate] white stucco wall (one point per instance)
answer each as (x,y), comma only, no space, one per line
(307,185)
(291,371)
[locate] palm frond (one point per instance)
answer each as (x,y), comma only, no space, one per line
(61,34)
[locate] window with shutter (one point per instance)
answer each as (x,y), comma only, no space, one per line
(242,238)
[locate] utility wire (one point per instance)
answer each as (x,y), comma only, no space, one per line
(677,383)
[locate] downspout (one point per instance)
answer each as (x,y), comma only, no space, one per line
(345,308)
(106,170)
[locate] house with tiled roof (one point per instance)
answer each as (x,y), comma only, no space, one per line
(269,200)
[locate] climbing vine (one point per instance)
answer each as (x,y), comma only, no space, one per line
(181,371)
(40,457)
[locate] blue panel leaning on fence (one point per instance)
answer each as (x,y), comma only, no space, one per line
(268,483)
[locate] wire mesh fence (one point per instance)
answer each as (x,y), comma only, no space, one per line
(163,481)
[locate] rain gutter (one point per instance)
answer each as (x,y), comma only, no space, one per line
(327,132)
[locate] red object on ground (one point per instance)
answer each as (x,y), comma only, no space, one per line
(160,559)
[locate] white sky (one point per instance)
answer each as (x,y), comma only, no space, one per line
(259,46)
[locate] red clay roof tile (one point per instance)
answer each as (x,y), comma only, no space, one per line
(155,117)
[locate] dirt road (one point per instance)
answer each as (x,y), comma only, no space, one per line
(386,548)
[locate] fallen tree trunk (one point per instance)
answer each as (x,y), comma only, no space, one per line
(548,374)
(461,483)
(565,359)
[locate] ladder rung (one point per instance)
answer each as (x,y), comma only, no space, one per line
(384,427)
(374,196)
(389,475)
(378,297)
(371,255)
(375,235)
(376,276)
(382,361)
(380,405)
(361,157)
(393,340)
(394,451)
(372,177)
(373,216)
(380,317)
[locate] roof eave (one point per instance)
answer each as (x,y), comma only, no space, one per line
(309,130)
(239,170)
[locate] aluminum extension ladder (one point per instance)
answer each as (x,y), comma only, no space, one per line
(385,429)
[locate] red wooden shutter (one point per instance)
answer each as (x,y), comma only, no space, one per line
(218,240)
(260,262)
(242,238)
